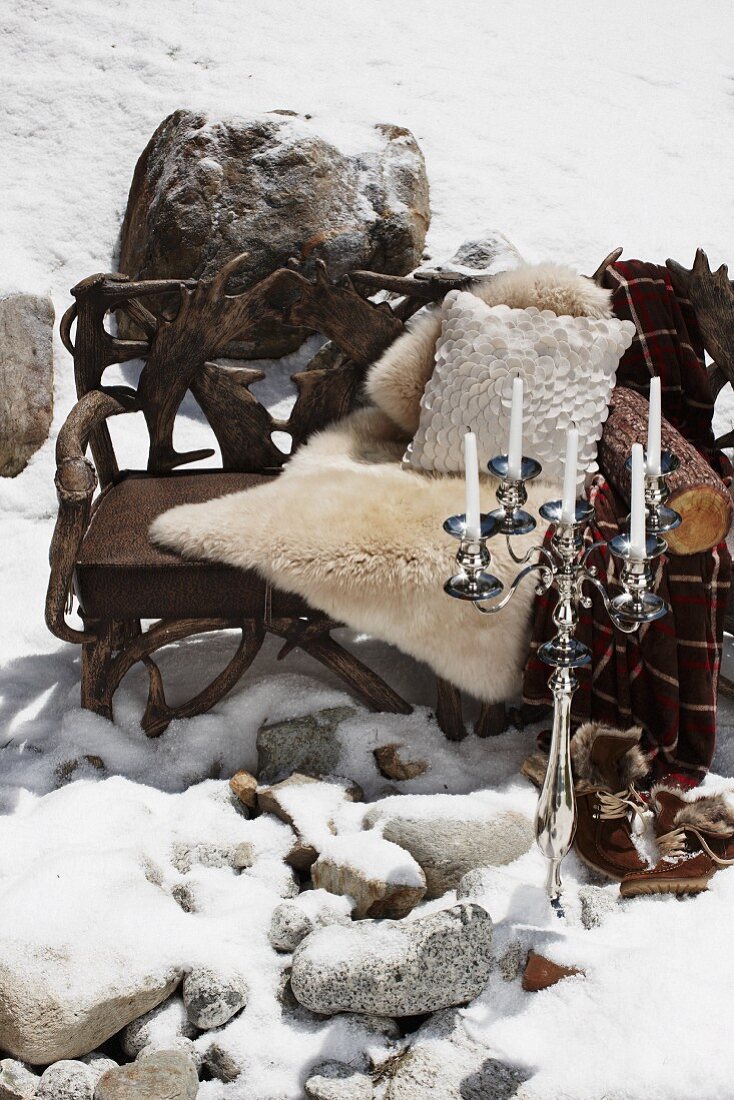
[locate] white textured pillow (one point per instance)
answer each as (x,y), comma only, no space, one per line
(568,366)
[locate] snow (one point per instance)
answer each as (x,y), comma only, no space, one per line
(572,128)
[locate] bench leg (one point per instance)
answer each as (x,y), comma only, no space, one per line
(96,664)
(449,713)
(492,720)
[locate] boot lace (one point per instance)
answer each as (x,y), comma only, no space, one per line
(673,845)
(613,806)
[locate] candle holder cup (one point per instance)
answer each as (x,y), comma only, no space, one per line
(658,517)
(563,564)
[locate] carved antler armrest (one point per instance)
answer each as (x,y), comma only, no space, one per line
(76,481)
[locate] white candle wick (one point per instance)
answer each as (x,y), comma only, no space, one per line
(568,503)
(471,468)
(653,429)
(637,505)
(514,450)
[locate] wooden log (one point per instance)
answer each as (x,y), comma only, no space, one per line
(696,491)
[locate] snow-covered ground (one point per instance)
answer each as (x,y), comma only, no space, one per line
(570,127)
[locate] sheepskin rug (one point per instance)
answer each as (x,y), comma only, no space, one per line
(361,538)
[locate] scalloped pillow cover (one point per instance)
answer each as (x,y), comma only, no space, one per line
(568,366)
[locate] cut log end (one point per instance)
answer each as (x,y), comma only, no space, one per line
(706,513)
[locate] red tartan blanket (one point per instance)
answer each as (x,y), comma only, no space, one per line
(664,678)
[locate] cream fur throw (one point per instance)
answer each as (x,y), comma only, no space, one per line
(398,379)
(361,539)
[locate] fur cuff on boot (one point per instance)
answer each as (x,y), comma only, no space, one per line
(711,814)
(633,765)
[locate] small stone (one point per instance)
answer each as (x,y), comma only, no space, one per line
(511,960)
(473,884)
(391,764)
(26,378)
(179,1045)
(212,998)
(66,1080)
(309,745)
(449,835)
(302,856)
(221,1064)
(596,904)
(243,855)
(17,1082)
(395,968)
(541,973)
(288,926)
(244,786)
(163,1023)
(337,1081)
(184,896)
(344,870)
(166,1074)
(384,1026)
(186,856)
(98,1064)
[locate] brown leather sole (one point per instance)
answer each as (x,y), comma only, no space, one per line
(659,884)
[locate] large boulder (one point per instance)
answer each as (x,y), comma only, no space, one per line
(449,835)
(26,378)
(206,189)
(395,968)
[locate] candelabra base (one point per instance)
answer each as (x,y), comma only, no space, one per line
(476,587)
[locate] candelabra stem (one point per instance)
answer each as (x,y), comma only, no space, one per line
(555,816)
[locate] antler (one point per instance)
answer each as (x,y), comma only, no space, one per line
(712,297)
(598,276)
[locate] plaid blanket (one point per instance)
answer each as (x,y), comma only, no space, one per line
(663,678)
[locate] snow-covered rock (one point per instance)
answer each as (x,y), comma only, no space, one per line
(596,904)
(293,920)
(395,968)
(17,1081)
(26,378)
(444,1061)
(309,745)
(337,1081)
(449,835)
(309,806)
(221,1063)
(162,1024)
(166,1074)
(212,998)
(56,1006)
(383,879)
(206,189)
(391,764)
(98,1064)
(67,1080)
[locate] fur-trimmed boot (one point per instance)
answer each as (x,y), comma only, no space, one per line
(607,764)
(696,839)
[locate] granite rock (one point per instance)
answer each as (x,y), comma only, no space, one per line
(165,1074)
(293,920)
(66,1080)
(309,745)
(17,1081)
(164,1022)
(337,1081)
(98,1064)
(208,189)
(394,968)
(596,904)
(26,378)
(391,892)
(212,998)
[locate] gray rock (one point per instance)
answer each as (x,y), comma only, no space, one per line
(164,1074)
(207,189)
(180,1045)
(337,1081)
(448,846)
(75,1007)
(212,998)
(17,1082)
(393,968)
(165,1022)
(474,884)
(98,1064)
(66,1080)
(596,904)
(288,926)
(444,1061)
(486,255)
(375,894)
(512,960)
(309,745)
(26,378)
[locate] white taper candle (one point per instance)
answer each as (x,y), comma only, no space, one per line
(568,504)
(514,450)
(471,467)
(637,504)
(653,429)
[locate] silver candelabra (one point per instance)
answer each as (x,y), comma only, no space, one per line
(562,564)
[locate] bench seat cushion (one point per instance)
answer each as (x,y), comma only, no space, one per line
(120,574)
